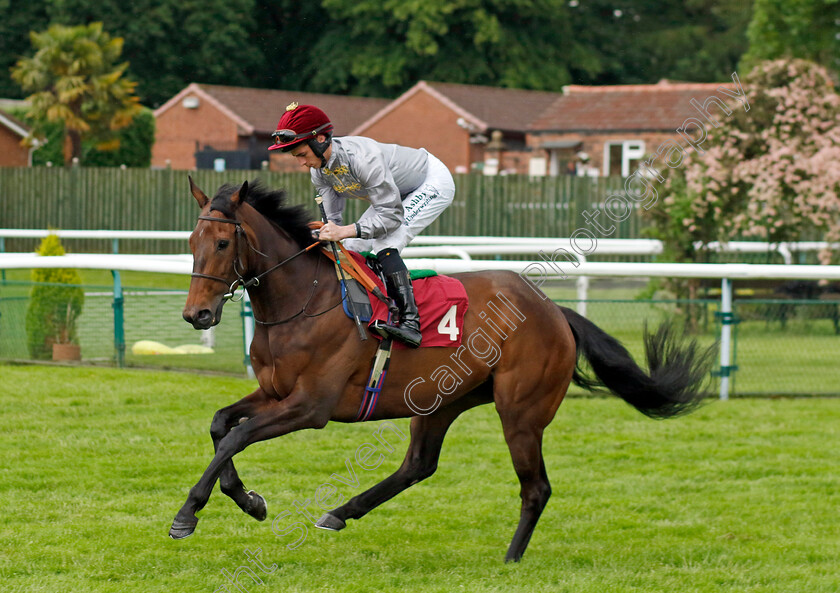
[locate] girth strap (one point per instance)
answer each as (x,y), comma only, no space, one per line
(378,370)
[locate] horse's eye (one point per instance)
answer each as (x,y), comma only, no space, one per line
(222,245)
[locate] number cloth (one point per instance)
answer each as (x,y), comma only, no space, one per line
(441,300)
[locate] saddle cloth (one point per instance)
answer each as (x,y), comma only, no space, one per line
(441,301)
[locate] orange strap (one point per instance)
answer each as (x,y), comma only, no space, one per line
(348,264)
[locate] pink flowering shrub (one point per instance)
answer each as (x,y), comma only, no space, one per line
(770,174)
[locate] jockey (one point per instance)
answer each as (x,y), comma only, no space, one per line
(407,189)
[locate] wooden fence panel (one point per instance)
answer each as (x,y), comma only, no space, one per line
(150,199)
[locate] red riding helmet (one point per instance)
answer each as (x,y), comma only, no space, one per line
(302,123)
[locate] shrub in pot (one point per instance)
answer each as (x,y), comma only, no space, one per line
(54,304)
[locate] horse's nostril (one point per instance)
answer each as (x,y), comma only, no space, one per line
(204,316)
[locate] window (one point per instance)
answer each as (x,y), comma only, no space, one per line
(622,158)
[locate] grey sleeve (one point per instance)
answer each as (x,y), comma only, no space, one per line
(386,212)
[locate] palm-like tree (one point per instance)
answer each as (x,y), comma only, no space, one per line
(75,78)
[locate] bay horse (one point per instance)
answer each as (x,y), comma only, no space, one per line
(312,367)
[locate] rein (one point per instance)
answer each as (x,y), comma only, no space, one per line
(255,280)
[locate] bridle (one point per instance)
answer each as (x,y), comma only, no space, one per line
(240,280)
(255,280)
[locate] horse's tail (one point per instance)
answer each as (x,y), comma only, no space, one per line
(674,384)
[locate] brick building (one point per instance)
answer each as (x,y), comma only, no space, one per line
(468,127)
(12,153)
(617,126)
(205,123)
(465,126)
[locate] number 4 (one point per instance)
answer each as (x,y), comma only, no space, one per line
(448,325)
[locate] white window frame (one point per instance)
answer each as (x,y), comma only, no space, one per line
(630,150)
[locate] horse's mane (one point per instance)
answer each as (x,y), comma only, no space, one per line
(271,204)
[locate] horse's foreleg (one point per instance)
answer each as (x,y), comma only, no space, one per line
(278,419)
(421,459)
(229,482)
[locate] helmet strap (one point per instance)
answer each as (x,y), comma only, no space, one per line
(319,148)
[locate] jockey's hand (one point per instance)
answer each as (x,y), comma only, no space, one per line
(334,232)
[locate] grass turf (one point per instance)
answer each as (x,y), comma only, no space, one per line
(739,497)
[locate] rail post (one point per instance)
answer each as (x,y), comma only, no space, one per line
(582,294)
(247,332)
(727,320)
(119,320)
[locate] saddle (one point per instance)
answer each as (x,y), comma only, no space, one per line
(441,300)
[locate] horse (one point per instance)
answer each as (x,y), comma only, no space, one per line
(312,368)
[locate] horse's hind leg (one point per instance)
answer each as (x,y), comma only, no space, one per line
(230,484)
(525,445)
(524,419)
(421,459)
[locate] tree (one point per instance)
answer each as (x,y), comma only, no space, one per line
(382,48)
(379,48)
(74,78)
(135,149)
(288,30)
(136,141)
(770,173)
(171,43)
(643,41)
(17,19)
(805,29)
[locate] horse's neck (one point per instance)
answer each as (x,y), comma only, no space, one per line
(288,286)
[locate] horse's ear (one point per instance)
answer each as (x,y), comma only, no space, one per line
(239,196)
(198,194)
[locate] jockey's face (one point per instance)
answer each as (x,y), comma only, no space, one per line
(306,158)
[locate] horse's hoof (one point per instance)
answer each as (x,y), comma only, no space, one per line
(256,506)
(182,529)
(331,523)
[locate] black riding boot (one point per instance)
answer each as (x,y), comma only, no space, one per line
(408,329)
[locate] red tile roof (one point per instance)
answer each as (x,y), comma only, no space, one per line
(485,108)
(499,108)
(259,110)
(662,106)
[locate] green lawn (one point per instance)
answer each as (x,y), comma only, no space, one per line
(739,497)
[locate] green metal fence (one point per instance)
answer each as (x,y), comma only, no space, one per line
(781,347)
(793,345)
(148,315)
